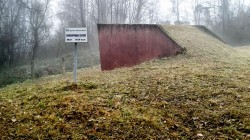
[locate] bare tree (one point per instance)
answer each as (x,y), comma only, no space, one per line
(225,14)
(176,9)
(38,14)
(10,27)
(198,8)
(82,4)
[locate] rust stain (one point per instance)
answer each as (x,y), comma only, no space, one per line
(125,45)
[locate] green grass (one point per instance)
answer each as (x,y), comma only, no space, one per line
(203,95)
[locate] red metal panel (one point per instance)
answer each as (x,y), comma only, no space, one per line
(128,45)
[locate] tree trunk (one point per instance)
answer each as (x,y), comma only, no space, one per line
(11,61)
(82,12)
(32,69)
(178,11)
(138,11)
(63,66)
(34,51)
(98,9)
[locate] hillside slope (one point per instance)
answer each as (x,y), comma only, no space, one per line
(51,66)
(197,41)
(204,94)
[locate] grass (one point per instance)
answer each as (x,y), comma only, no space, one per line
(45,68)
(204,94)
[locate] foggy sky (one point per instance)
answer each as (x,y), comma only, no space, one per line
(186,7)
(186,13)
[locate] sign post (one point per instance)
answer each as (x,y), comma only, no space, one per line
(75,64)
(75,35)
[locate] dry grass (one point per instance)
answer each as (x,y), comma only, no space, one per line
(204,94)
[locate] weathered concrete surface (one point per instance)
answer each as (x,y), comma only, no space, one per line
(125,45)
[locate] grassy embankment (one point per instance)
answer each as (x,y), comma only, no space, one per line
(204,94)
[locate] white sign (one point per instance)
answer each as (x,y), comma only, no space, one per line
(76,35)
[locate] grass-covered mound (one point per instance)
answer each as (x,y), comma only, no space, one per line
(204,94)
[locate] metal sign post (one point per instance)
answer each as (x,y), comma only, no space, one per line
(76,35)
(75,64)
